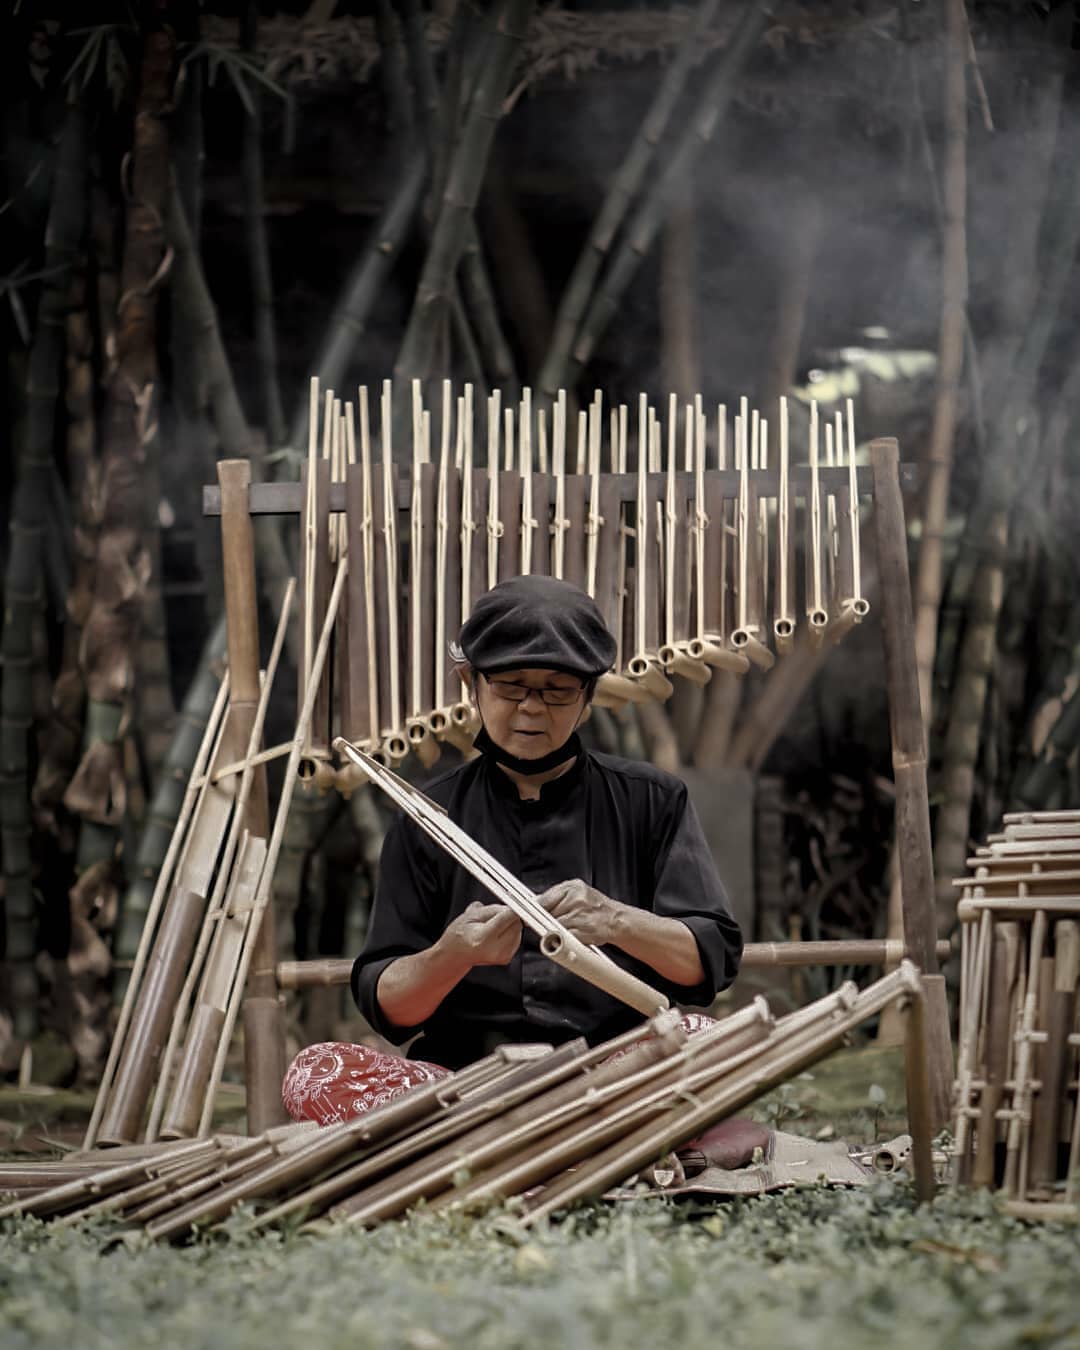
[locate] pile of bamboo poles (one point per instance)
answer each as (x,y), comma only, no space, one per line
(546,1125)
(689,534)
(202,928)
(1017,1124)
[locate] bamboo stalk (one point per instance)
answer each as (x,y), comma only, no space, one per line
(218,908)
(261,897)
(24,593)
(636,240)
(623,188)
(464,179)
(196,782)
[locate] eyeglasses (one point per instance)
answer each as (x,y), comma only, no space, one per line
(554,697)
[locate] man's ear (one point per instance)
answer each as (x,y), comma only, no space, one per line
(466,673)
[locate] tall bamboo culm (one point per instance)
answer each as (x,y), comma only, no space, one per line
(124,555)
(23,595)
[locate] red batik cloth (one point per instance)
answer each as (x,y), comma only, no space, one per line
(335,1080)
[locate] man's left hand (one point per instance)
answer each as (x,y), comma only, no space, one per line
(590,915)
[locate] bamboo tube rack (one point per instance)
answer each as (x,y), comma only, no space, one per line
(1017,1122)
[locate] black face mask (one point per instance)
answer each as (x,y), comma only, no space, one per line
(568,750)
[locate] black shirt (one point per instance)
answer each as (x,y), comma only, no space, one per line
(626,828)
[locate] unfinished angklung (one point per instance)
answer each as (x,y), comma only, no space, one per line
(1017,1124)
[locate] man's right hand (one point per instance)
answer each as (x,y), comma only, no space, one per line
(483,935)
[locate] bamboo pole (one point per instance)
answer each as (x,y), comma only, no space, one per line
(217,910)
(909,758)
(196,783)
(583,297)
(331,970)
(260,902)
(264,1026)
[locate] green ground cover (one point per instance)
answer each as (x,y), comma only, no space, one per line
(817,1270)
(810,1270)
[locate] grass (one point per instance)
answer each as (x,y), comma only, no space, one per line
(808,1270)
(814,1269)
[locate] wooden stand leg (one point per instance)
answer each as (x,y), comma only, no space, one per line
(917,1055)
(913,844)
(264,1026)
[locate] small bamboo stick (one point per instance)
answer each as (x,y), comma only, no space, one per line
(560,524)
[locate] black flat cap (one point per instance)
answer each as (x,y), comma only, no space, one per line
(537,622)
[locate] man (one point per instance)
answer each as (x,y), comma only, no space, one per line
(613,847)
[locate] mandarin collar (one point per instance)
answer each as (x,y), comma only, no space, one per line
(552,793)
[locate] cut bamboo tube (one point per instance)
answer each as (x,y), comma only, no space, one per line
(262,894)
(173,858)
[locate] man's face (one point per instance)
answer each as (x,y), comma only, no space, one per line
(519,714)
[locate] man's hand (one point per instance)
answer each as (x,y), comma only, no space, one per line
(591,916)
(483,935)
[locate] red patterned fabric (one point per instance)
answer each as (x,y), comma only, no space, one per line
(335,1080)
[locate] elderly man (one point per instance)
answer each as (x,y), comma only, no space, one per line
(613,847)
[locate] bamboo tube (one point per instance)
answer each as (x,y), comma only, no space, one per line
(214,908)
(358,669)
(919,1100)
(208,1016)
(816,613)
(859,602)
(394,1150)
(784,622)
(560,524)
(571,1098)
(972,982)
(422,603)
(173,860)
(648,1106)
(614,1110)
(1049,1107)
(655,1138)
(1018,906)
(510,495)
(745,637)
(331,970)
(674,654)
(494,524)
(529,525)
(262,893)
(416,728)
(1002,981)
(315,485)
(642,665)
(593,520)
(1020,1114)
(447,561)
(57,1199)
(395,743)
(174,943)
